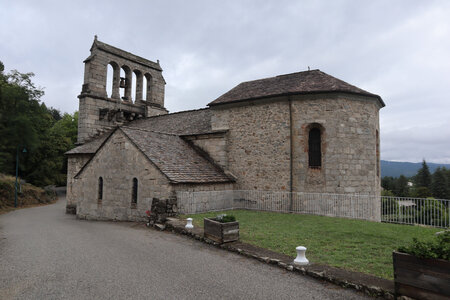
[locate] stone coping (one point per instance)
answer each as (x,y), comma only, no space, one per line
(368,284)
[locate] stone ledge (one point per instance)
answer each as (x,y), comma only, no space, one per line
(370,285)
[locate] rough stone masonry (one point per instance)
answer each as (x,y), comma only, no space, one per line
(300,132)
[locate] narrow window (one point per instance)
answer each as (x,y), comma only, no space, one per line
(148,87)
(314,148)
(134,193)
(100,190)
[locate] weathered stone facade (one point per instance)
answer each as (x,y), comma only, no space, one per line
(300,132)
(261,132)
(74,165)
(118,162)
(100,111)
(117,155)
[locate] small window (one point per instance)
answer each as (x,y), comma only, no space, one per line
(134,193)
(100,190)
(315,148)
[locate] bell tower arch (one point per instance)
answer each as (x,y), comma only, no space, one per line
(99,109)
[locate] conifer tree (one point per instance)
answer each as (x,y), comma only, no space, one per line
(439,185)
(423,177)
(401,187)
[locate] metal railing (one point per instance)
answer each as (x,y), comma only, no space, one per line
(431,212)
(334,205)
(404,210)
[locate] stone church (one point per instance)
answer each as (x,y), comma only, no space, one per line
(299,132)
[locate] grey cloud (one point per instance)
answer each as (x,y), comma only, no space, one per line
(398,50)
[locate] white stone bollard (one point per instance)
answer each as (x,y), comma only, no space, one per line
(301,258)
(189,224)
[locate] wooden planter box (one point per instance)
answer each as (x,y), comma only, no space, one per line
(221,232)
(421,278)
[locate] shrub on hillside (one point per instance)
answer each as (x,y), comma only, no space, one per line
(30,194)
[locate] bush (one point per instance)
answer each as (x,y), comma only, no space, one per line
(387,193)
(226,218)
(438,248)
(421,192)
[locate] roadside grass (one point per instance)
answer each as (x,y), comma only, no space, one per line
(355,245)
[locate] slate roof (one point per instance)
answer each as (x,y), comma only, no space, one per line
(91,146)
(180,123)
(307,82)
(174,157)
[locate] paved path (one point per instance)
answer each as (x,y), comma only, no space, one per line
(46,254)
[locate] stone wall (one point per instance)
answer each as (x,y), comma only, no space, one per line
(214,144)
(100,109)
(259,146)
(258,143)
(118,162)
(74,165)
(95,74)
(349,160)
(186,187)
(92,121)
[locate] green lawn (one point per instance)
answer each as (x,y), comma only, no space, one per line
(350,244)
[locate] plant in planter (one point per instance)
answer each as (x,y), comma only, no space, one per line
(421,269)
(221,229)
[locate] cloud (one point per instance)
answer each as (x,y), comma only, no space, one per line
(398,50)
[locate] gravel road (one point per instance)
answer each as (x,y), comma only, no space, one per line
(46,254)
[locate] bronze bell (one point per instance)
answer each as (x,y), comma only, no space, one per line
(123,82)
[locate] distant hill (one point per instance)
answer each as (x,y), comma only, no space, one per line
(397,168)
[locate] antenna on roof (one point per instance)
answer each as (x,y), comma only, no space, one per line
(309,69)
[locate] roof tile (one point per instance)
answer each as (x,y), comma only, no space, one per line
(307,82)
(175,157)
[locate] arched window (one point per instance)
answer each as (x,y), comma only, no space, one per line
(113,80)
(109,80)
(100,189)
(148,87)
(315,148)
(134,193)
(138,85)
(126,83)
(133,87)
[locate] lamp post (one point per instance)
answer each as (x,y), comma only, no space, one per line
(17,174)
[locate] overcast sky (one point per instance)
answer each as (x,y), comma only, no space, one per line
(399,50)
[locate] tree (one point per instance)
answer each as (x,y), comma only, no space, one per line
(401,188)
(439,185)
(25,122)
(388,183)
(22,118)
(48,164)
(421,192)
(423,177)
